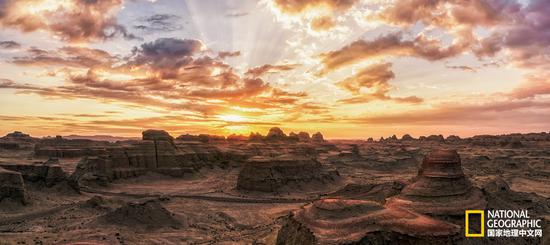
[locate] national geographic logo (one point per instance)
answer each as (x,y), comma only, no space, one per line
(481,214)
(501,223)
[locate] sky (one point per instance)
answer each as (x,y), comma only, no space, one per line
(351,69)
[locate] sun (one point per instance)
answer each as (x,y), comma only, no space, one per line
(231,118)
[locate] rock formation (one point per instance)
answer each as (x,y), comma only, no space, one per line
(341,221)
(60,147)
(236,138)
(436,138)
(48,173)
(452,138)
(275,133)
(303,137)
(12,187)
(153,134)
(147,215)
(407,137)
(284,173)
(440,188)
(317,138)
(255,137)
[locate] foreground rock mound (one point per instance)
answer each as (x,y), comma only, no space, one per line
(441,188)
(148,215)
(12,187)
(340,221)
(283,173)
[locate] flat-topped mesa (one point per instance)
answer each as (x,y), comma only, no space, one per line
(284,173)
(440,188)
(153,134)
(12,187)
(275,133)
(343,221)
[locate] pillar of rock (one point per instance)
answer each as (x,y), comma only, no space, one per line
(440,188)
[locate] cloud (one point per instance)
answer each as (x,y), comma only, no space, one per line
(462,67)
(159,23)
(533,85)
(168,73)
(376,79)
(268,68)
(298,6)
(322,23)
(237,14)
(503,112)
(69,56)
(224,54)
(72,20)
(391,44)
(9,45)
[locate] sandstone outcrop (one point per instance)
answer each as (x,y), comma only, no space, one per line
(275,134)
(48,173)
(12,187)
(341,221)
(60,147)
(145,215)
(317,138)
(440,188)
(153,134)
(284,173)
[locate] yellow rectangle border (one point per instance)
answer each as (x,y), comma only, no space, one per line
(467,227)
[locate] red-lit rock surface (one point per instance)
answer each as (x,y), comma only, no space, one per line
(440,188)
(284,173)
(341,221)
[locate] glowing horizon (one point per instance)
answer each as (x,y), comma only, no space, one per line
(350,69)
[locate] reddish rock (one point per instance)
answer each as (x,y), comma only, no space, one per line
(407,137)
(317,138)
(275,133)
(440,188)
(235,137)
(153,134)
(303,137)
(286,172)
(12,186)
(255,137)
(341,221)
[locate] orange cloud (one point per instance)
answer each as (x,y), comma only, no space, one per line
(298,6)
(322,23)
(375,78)
(389,45)
(71,20)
